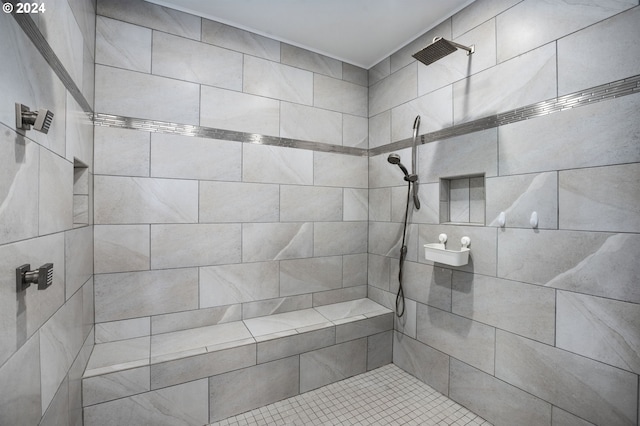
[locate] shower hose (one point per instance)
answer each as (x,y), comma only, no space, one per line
(403,254)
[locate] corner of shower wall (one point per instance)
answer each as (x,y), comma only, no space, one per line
(47,335)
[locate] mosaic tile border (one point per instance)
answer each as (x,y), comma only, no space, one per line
(614,89)
(589,96)
(32,31)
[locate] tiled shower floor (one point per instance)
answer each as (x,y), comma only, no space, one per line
(385,396)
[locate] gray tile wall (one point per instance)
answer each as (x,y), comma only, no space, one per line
(46,337)
(541,327)
(186,225)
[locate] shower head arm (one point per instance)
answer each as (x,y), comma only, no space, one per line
(469,49)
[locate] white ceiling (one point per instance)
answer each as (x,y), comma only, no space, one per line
(360,32)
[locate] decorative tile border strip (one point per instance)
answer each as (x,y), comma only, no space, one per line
(212,133)
(603,92)
(595,94)
(33,32)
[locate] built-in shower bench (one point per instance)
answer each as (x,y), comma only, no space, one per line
(201,375)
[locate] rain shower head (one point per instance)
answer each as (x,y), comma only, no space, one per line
(41,120)
(439,49)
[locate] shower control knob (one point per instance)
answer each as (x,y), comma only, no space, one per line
(442,238)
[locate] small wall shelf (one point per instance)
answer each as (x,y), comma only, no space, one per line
(437,252)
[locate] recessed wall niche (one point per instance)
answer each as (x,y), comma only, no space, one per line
(462,200)
(80,194)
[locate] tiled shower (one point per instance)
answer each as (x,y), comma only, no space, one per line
(228,176)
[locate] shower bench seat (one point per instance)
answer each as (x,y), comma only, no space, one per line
(201,375)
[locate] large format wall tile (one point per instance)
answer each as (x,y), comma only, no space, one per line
(242,41)
(301,58)
(239,202)
(22,405)
(334,238)
(186,157)
(422,361)
(121,248)
(331,169)
(337,95)
(517,32)
(186,404)
(478,391)
(471,154)
(275,164)
(527,310)
(122,200)
(310,124)
(310,203)
(229,284)
(602,138)
(177,246)
(600,198)
(426,284)
(574,261)
(189,60)
(523,80)
(243,390)
(462,338)
(133,94)
(273,80)
(137,294)
(597,392)
(328,365)
(226,109)
(601,329)
(78,246)
(123,45)
(394,90)
(152,16)
(276,241)
(435,110)
(604,52)
(301,276)
(520,195)
(19,160)
(478,12)
(55,200)
(121,152)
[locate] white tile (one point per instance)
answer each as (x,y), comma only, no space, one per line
(355,131)
(275,164)
(133,94)
(305,59)
(349,309)
(247,282)
(123,45)
(273,80)
(435,110)
(400,87)
(310,203)
(338,95)
(520,81)
(196,338)
(335,238)
(310,124)
(282,322)
(331,169)
(23,403)
(118,355)
(152,16)
(177,246)
(121,248)
(243,112)
(239,40)
(55,201)
(600,198)
(553,20)
(239,202)
(122,330)
(122,152)
(299,276)
(138,294)
(124,200)
(187,157)
(194,61)
(276,241)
